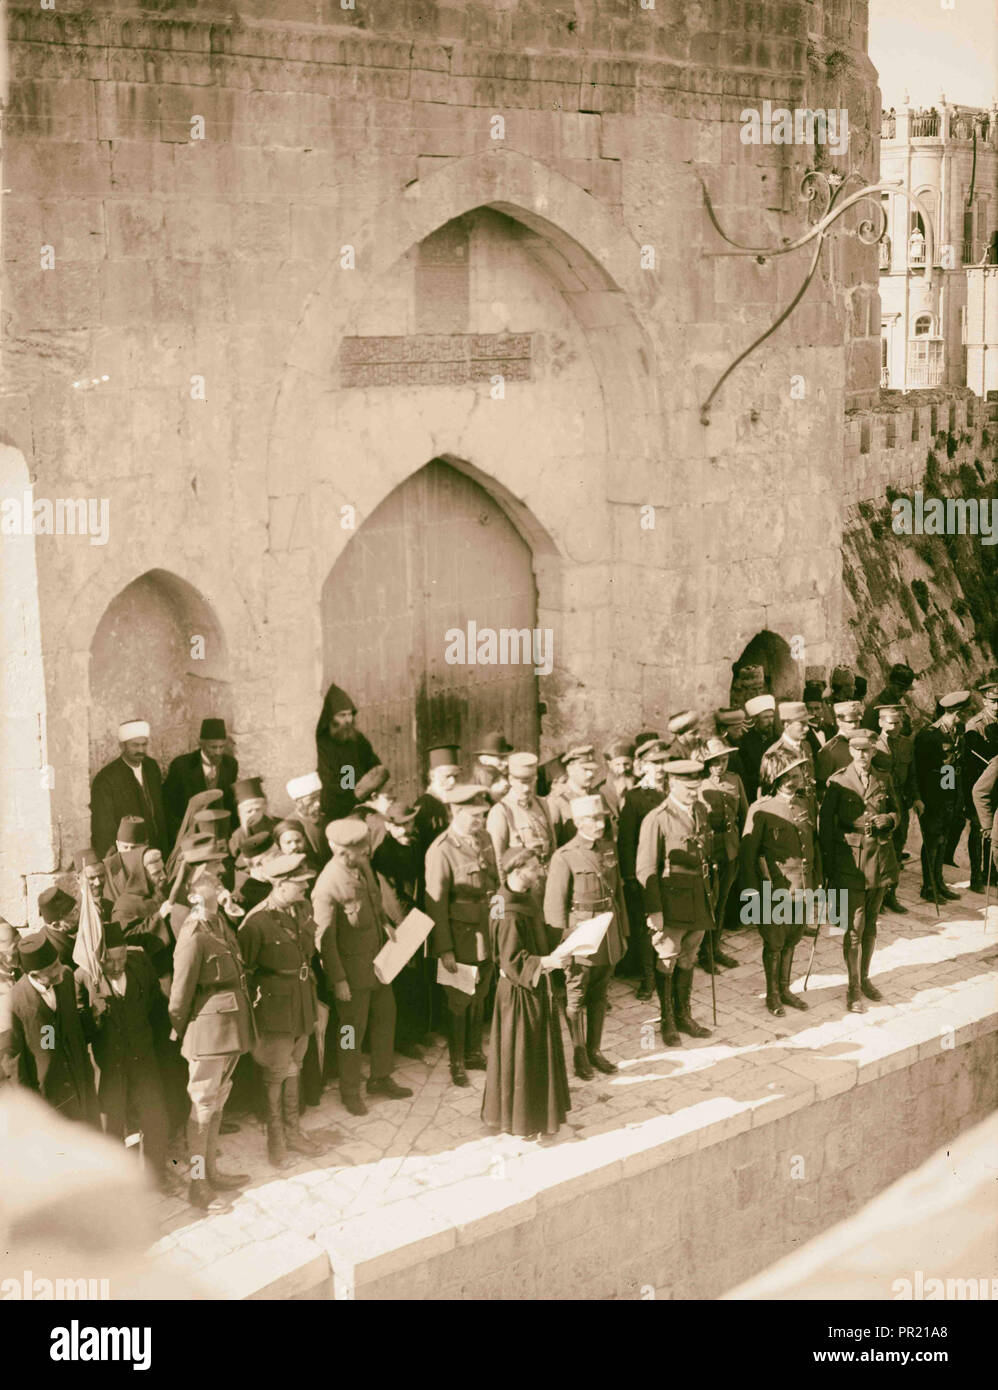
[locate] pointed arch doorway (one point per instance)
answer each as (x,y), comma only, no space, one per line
(437,553)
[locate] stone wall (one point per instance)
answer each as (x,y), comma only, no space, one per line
(227,195)
(697,1222)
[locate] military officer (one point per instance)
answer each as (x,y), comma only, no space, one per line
(277,939)
(520,819)
(899,682)
(985,793)
(579,780)
(461,881)
(980,745)
(351,928)
(583,882)
(796,720)
(651,755)
(761,711)
(834,756)
(856,832)
(779,843)
(896,756)
(211,1016)
(674,872)
(937,756)
(727,806)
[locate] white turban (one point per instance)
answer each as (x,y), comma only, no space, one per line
(759,704)
(304,786)
(132,728)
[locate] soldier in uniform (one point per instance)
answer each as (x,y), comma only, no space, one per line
(461,880)
(651,756)
(899,683)
(211,1016)
(856,831)
(896,756)
(727,806)
(780,844)
(584,881)
(985,794)
(938,774)
(980,745)
(351,928)
(761,710)
(579,780)
(520,819)
(835,754)
(674,872)
(796,720)
(277,939)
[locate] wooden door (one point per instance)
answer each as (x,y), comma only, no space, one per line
(436,554)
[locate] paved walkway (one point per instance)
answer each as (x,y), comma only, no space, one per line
(436,1140)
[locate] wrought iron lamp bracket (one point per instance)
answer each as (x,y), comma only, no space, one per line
(831,190)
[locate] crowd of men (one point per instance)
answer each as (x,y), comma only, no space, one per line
(217,943)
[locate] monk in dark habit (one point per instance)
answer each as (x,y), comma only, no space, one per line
(344,756)
(526,1084)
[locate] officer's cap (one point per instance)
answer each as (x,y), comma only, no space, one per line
(794,711)
(522,766)
(685,769)
(684,721)
(847,709)
(863,738)
(347,833)
(656,750)
(467,794)
(286,867)
(581,753)
(955,699)
(730,718)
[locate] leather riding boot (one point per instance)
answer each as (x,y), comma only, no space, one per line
(866,956)
(704,956)
(580,1058)
(456,1035)
(663,985)
(295,1137)
(786,970)
(277,1151)
(891,902)
(720,955)
(646,953)
(771,966)
(595,1016)
(222,1182)
(199,1193)
(684,1019)
(854,993)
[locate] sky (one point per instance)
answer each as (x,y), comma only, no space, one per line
(921,47)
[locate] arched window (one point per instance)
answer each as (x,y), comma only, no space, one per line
(923,326)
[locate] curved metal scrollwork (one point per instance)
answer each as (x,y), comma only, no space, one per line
(829,193)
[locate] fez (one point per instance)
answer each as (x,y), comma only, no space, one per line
(494,745)
(83,857)
(347,833)
(582,806)
(132,728)
(759,704)
(955,699)
(813,690)
(523,765)
(445,755)
(132,830)
(247,788)
(306,785)
(213,729)
(36,952)
(54,904)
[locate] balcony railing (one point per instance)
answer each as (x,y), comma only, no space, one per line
(924,125)
(973,252)
(916,253)
(888,127)
(925,373)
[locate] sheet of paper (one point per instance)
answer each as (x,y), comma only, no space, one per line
(465,978)
(586,938)
(410,934)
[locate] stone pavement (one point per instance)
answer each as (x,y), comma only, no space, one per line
(412,1171)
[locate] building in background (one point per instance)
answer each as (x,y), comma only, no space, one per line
(948,157)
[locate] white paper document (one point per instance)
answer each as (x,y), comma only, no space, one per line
(585,939)
(410,934)
(465,978)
